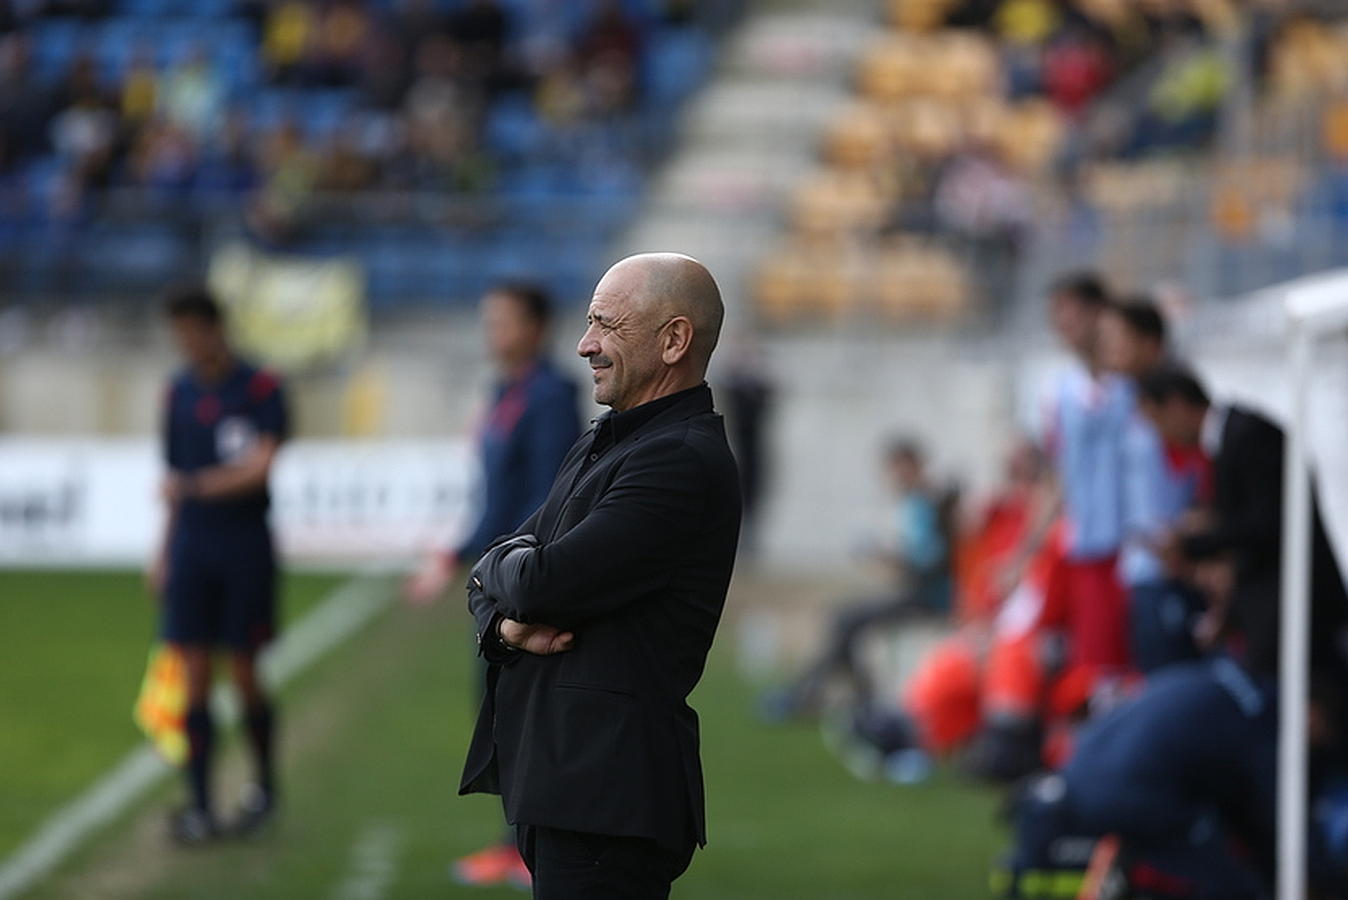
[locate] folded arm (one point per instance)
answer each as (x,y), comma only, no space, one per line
(616,554)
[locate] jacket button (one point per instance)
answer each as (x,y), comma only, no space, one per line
(593,457)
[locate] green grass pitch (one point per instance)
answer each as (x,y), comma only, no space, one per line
(372,739)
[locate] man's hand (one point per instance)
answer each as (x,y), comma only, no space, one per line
(540,640)
(156,574)
(430,581)
(174,488)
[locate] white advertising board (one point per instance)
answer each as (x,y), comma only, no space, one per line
(95,501)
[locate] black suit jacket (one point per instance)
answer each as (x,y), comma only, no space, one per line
(633,550)
(1247,509)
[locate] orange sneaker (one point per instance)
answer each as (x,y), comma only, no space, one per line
(494,865)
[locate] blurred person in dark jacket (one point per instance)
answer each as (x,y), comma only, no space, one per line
(1244,528)
(531,423)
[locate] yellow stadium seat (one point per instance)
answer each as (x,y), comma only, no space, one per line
(838,200)
(1029,135)
(808,280)
(918,281)
(857,138)
(919,15)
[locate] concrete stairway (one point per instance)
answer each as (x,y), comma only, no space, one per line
(750,136)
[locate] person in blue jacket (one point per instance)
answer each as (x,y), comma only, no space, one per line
(1184,775)
(531,423)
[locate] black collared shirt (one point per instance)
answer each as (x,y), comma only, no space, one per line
(612,427)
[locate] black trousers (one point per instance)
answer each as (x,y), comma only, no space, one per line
(576,865)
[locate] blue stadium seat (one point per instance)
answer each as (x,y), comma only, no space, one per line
(55,42)
(146,9)
(676,62)
(134,254)
(210,9)
(321,112)
(513,128)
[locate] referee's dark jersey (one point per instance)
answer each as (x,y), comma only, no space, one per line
(222,569)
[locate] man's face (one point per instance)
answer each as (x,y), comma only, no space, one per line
(512,336)
(1074,321)
(1119,350)
(1178,423)
(1124,351)
(621,342)
(905,472)
(199,342)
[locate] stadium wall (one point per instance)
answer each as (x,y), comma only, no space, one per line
(837,396)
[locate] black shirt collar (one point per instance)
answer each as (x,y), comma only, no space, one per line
(621,424)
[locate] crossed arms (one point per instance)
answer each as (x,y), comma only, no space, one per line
(533,594)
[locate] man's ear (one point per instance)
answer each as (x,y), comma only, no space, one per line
(677,341)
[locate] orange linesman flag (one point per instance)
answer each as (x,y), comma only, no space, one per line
(161,708)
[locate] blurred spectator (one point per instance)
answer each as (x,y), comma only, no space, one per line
(1184,100)
(385,73)
(190,95)
(227,166)
(1076,67)
(84,133)
(164,158)
(985,206)
(346,165)
(140,89)
(290,30)
(1176,795)
(289,174)
(611,37)
(1161,484)
(1088,418)
(26,104)
(1244,532)
(335,55)
(481,28)
(747,394)
(917,553)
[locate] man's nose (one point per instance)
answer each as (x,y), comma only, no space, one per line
(588,346)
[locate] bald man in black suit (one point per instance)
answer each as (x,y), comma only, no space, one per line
(598,614)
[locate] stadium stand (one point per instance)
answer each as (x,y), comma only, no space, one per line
(443,144)
(974,122)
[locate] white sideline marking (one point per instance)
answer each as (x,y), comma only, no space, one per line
(374,863)
(348,609)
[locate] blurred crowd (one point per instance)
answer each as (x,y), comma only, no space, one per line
(366,97)
(1115,649)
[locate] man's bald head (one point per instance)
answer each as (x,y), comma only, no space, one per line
(666,285)
(654,322)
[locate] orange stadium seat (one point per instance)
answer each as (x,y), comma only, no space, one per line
(925,128)
(919,281)
(919,15)
(839,200)
(893,69)
(858,137)
(1029,135)
(808,280)
(1308,59)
